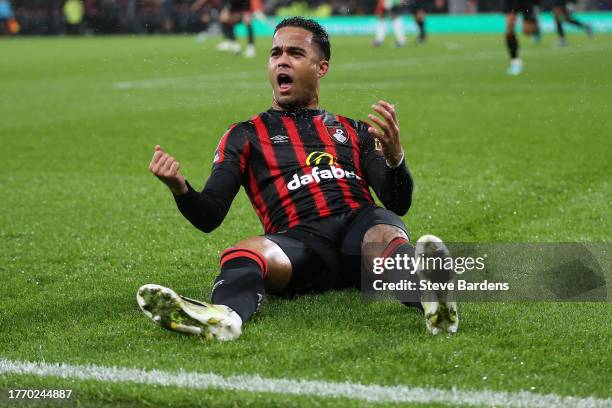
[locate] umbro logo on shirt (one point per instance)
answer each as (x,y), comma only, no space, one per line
(279,139)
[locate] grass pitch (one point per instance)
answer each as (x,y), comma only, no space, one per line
(495,159)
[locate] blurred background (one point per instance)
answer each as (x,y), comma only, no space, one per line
(56,17)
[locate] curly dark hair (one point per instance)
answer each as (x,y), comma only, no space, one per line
(319,35)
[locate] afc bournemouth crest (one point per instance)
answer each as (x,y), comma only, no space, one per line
(338,133)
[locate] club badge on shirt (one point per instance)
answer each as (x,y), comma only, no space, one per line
(338,133)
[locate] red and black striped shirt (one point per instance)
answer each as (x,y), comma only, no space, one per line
(297,167)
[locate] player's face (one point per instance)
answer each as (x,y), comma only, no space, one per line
(295,68)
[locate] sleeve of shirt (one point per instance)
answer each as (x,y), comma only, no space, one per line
(206,210)
(393,185)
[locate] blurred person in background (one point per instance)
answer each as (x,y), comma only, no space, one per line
(104,16)
(233,12)
(204,14)
(92,13)
(419,8)
(389,8)
(150,16)
(6,15)
(531,26)
(562,14)
(54,23)
(167,11)
(257,8)
(73,16)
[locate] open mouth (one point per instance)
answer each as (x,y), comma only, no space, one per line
(284,82)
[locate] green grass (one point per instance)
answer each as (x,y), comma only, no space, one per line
(495,159)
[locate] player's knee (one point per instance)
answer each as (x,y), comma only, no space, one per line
(278,268)
(269,250)
(252,243)
(383,234)
(247,250)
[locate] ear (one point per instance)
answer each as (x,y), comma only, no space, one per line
(322,68)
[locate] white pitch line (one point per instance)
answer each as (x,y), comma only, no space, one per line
(254,383)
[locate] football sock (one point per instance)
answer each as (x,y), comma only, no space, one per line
(381,31)
(536,31)
(240,285)
(228,31)
(250,33)
(224,31)
(421,25)
(560,31)
(401,246)
(398,29)
(512,44)
(576,23)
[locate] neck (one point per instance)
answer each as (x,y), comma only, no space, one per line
(314,104)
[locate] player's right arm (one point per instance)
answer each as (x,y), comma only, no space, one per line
(166,168)
(206,210)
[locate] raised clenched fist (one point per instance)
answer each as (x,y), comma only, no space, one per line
(166,168)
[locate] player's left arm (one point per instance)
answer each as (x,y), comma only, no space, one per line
(384,162)
(388,132)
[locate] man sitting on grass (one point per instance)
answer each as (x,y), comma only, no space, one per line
(308,174)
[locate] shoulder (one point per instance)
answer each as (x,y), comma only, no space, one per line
(235,139)
(360,127)
(239,129)
(250,127)
(237,133)
(354,124)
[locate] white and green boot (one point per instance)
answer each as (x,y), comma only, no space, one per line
(178,313)
(440,311)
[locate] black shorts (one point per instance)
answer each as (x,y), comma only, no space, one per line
(560,3)
(238,6)
(425,5)
(519,6)
(393,11)
(326,255)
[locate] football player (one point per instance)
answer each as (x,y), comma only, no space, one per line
(233,12)
(392,9)
(531,26)
(308,174)
(562,14)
